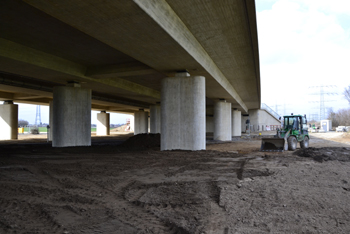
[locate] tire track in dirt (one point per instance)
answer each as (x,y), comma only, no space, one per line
(125,211)
(19,215)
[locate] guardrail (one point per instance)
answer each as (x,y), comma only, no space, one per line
(268,109)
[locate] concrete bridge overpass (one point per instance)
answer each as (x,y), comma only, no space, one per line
(195,58)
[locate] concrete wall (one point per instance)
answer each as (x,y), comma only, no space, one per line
(243,123)
(183,113)
(8,121)
(71,117)
(259,119)
(254,119)
(102,128)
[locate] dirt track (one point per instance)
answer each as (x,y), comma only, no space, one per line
(230,188)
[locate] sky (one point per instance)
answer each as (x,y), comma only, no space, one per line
(303,44)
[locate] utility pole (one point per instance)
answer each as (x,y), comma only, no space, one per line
(321,94)
(38,116)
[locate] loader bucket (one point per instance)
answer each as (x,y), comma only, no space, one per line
(272,144)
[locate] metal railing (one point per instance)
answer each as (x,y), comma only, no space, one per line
(269,110)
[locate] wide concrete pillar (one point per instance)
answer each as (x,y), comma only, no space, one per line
(102,128)
(71,117)
(209,126)
(222,121)
(183,113)
(50,120)
(8,121)
(236,123)
(254,119)
(140,122)
(155,121)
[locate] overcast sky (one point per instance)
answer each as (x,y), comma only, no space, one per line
(302,44)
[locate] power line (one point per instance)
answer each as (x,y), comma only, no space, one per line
(322,93)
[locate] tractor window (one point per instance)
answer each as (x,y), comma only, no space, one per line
(290,121)
(304,123)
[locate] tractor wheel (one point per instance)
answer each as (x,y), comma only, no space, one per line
(304,143)
(292,143)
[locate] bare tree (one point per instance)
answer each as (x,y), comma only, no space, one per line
(340,118)
(347,93)
(333,116)
(22,123)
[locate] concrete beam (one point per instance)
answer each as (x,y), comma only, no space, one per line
(120,70)
(161,12)
(95,20)
(35,101)
(26,96)
(20,53)
(6,96)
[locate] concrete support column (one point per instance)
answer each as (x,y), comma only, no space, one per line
(50,120)
(102,128)
(183,113)
(71,116)
(8,121)
(236,123)
(254,119)
(209,126)
(222,121)
(141,122)
(155,121)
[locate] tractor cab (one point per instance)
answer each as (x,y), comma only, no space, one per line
(297,124)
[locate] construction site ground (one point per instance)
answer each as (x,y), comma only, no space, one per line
(130,186)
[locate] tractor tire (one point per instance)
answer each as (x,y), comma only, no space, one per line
(292,143)
(304,144)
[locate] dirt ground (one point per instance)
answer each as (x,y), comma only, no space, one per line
(118,186)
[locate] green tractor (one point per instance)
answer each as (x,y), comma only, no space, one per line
(294,130)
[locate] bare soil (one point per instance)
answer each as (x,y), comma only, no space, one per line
(118,186)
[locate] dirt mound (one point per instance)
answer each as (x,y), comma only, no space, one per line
(119,129)
(326,154)
(262,136)
(142,141)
